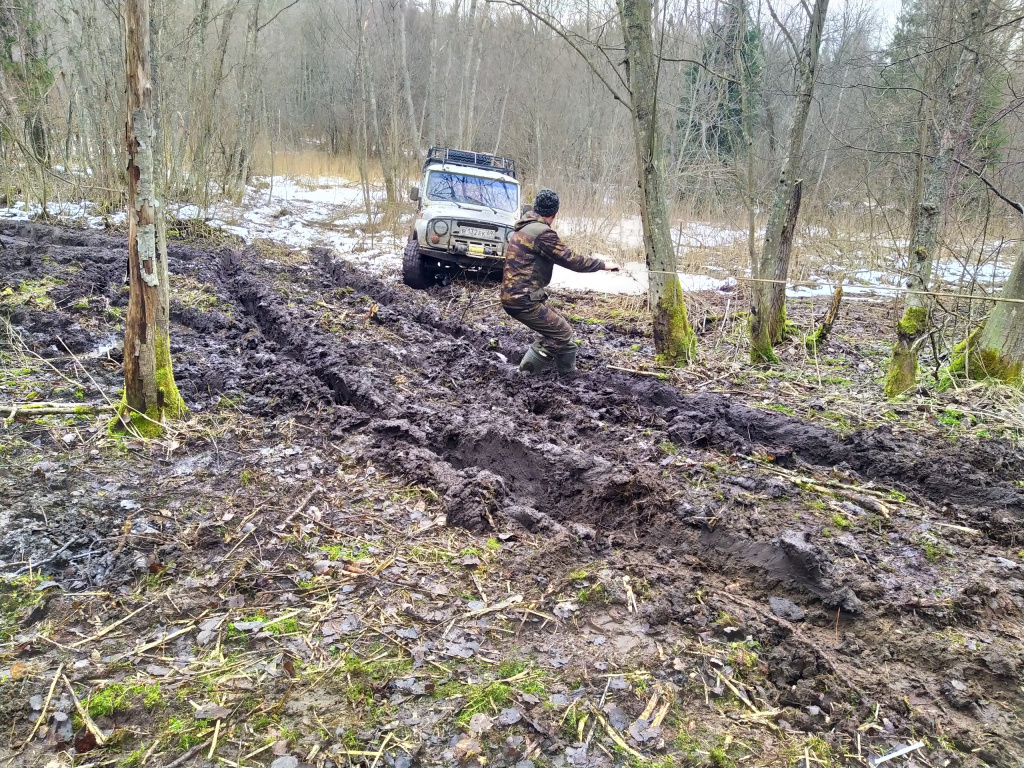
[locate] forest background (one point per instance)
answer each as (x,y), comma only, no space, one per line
(360,88)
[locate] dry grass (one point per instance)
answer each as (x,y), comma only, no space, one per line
(313,164)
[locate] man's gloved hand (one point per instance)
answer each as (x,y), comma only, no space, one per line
(611,266)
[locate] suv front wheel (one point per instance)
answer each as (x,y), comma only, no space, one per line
(414,273)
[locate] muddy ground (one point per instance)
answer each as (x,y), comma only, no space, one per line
(374,541)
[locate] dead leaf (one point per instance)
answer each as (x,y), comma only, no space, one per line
(84,741)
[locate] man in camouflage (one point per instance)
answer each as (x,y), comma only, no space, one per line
(532,252)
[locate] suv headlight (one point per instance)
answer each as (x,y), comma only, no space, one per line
(439,226)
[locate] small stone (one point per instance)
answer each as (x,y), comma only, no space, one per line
(157,671)
(321,566)
(287,761)
(36,702)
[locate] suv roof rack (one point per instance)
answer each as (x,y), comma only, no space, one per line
(470,159)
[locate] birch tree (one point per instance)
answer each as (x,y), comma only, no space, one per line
(150,394)
(771,270)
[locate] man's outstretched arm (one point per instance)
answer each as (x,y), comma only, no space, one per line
(554,248)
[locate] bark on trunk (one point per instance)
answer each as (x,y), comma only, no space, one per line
(956,104)
(467,54)
(150,394)
(996,350)
(768,299)
(674,340)
(414,132)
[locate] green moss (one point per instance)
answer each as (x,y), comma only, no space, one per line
(762,349)
(986,365)
(16,595)
(841,522)
(914,323)
(674,338)
(902,374)
(151,423)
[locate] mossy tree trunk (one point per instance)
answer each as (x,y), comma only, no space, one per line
(150,394)
(996,350)
(956,90)
(674,339)
(771,269)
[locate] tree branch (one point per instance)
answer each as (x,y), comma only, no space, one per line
(1018,207)
(784,30)
(564,34)
(269,21)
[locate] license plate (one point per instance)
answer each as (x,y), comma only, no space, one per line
(486,234)
(476,249)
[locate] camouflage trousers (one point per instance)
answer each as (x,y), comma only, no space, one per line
(555,331)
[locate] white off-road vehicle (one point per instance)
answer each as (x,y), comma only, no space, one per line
(468,204)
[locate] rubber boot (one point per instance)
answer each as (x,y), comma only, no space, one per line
(537,359)
(566,361)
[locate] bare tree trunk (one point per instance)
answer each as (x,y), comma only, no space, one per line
(429,107)
(956,104)
(467,54)
(414,132)
(470,110)
(150,394)
(768,292)
(674,340)
(390,181)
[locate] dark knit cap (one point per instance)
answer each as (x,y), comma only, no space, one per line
(546,202)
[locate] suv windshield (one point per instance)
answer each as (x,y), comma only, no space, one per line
(459,188)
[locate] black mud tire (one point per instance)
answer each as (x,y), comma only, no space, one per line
(414,273)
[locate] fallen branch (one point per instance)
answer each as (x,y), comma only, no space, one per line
(618,739)
(42,714)
(507,603)
(50,409)
(641,373)
(189,755)
(110,628)
(83,713)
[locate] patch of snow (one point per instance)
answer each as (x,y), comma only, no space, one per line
(631,279)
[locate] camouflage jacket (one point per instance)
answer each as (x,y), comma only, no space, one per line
(532,252)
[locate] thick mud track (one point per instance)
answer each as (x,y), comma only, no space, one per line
(695,485)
